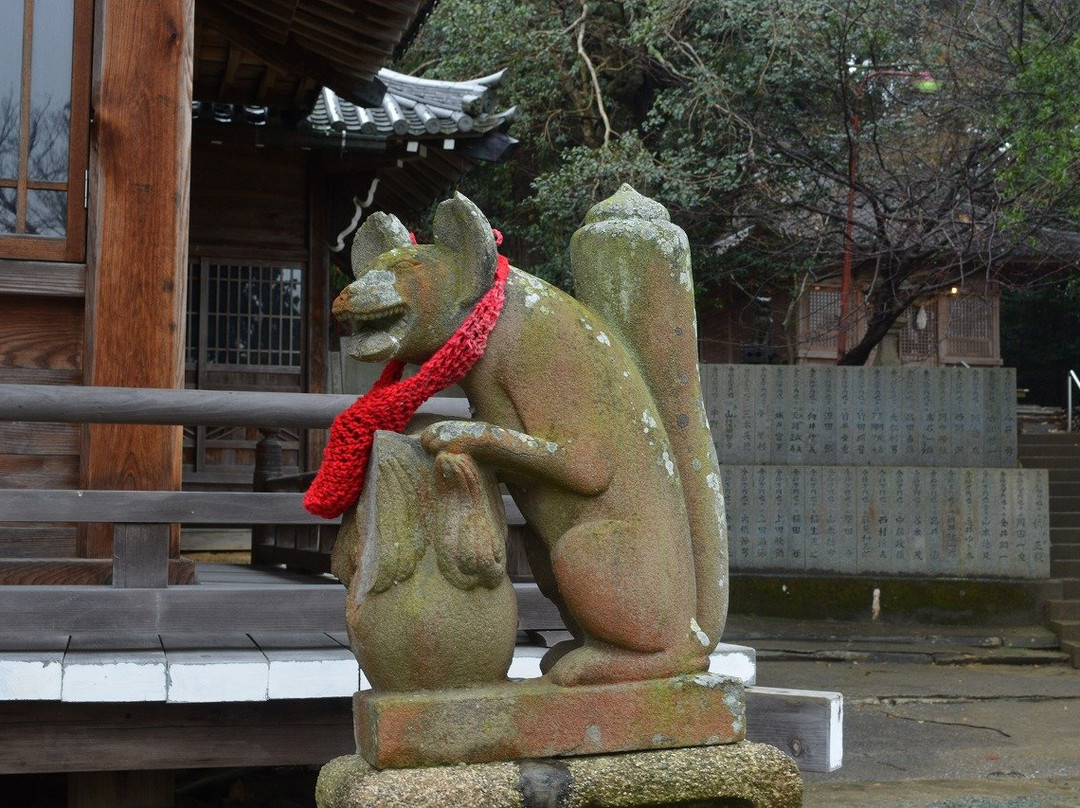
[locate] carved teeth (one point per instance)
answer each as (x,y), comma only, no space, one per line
(359,319)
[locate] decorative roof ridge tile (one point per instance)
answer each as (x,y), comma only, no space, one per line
(414,106)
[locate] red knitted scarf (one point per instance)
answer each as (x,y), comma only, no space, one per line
(391,403)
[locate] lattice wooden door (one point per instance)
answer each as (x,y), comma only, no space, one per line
(244,332)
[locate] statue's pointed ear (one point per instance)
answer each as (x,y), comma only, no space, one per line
(379,233)
(460,227)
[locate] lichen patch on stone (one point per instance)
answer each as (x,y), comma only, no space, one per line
(702,637)
(669,466)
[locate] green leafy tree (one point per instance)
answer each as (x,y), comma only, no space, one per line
(741,117)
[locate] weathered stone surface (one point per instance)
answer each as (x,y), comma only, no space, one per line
(739,775)
(587,408)
(901,521)
(862,416)
(539,719)
(423,556)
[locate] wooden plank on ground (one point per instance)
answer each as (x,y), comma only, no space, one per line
(216,608)
(31,666)
(513,512)
(340,637)
(243,574)
(214,668)
(307,666)
(807,724)
(534,610)
(114,667)
(310,561)
(736,661)
(54,737)
(213,609)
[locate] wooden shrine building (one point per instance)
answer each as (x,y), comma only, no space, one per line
(173,179)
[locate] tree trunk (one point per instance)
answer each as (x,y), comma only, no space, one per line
(881,321)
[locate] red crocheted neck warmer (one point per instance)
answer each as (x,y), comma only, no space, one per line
(391,403)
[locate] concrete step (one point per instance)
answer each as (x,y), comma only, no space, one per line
(1069,568)
(1063,610)
(1067,630)
(1073,650)
(1070,589)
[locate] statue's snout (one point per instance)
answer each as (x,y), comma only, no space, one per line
(340,306)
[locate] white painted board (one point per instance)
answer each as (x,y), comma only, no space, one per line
(204,669)
(100,668)
(308,666)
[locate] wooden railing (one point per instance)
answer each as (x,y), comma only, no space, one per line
(129,405)
(140,599)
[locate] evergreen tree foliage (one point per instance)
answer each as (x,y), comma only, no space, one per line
(739,116)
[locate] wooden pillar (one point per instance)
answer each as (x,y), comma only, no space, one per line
(317,305)
(137,237)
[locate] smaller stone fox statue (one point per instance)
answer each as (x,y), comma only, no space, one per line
(587,408)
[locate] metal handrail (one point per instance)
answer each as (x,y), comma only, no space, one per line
(1073,379)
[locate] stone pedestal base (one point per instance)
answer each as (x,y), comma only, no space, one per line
(537,719)
(738,775)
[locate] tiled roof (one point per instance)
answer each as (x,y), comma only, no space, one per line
(416,107)
(411,108)
(418,142)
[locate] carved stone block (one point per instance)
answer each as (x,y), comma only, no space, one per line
(538,719)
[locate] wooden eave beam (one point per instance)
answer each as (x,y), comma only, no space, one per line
(289,57)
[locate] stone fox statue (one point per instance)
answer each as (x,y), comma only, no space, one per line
(587,408)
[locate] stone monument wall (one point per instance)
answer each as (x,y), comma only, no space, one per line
(884,471)
(901,520)
(862,416)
